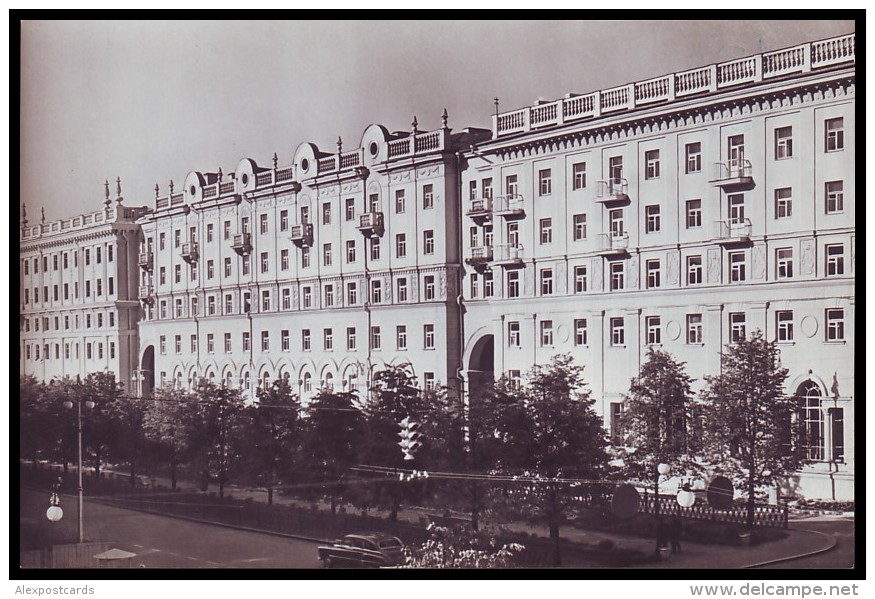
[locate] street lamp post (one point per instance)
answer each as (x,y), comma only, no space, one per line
(88,404)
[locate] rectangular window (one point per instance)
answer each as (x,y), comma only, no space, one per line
(616,424)
(226,230)
(487,284)
(545,182)
(694,214)
(375,248)
(618,331)
(580,279)
(374,202)
(513,333)
(287,298)
(179,308)
(284,220)
(429,287)
(246,341)
(835,198)
(228,347)
(694,329)
(427,196)
(326,213)
(654,330)
(265,300)
(737,325)
(835,134)
(349,208)
(784,202)
(375,338)
(546,231)
(350,338)
(835,324)
(428,336)
(513,283)
(55,261)
(486,187)
(211,269)
(400,245)
(376,291)
(784,325)
(428,242)
(617,221)
(835,260)
(654,278)
(284,261)
(472,190)
(401,285)
(177,238)
(329,296)
(177,344)
(428,381)
(352,294)
(99,287)
(578,175)
(737,267)
(651,164)
(305,339)
(694,270)
(306,297)
(511,185)
(265,262)
(401,337)
(783,143)
(736,209)
(784,263)
(305,257)
(350,251)
(194,306)
(694,157)
(262,223)
(546,333)
(326,254)
(618,275)
(579,227)
(400,201)
(547,281)
(652,219)
(475,285)
(580,336)
(328,339)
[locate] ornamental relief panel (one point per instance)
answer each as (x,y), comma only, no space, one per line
(597,278)
(400,177)
(632,272)
(806,261)
(672,268)
(759,262)
(351,187)
(713,265)
(429,171)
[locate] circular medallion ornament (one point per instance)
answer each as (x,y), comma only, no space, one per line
(809,326)
(673,330)
(625,502)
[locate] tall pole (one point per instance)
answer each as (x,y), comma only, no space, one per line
(79,469)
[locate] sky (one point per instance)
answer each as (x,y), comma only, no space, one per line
(149,101)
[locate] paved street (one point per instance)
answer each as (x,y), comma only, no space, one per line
(843,556)
(162,542)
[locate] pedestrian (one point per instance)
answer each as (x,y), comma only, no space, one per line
(661,534)
(674,534)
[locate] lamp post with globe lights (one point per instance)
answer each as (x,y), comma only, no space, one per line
(89,404)
(662,469)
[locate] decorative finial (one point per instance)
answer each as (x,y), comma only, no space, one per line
(106,189)
(274,160)
(444,118)
(496,104)
(118,190)
(171,187)
(156,191)
(42,215)
(221,174)
(23,214)
(414,124)
(339,145)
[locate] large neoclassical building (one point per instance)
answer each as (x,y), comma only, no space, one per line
(680,213)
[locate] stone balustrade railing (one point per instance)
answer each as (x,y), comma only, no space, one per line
(752,69)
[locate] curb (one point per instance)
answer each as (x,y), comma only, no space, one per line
(832,545)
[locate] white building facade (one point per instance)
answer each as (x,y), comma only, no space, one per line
(78,294)
(677,213)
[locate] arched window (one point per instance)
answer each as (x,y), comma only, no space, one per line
(179,380)
(308,383)
(246,381)
(228,379)
(811,419)
(265,380)
(329,381)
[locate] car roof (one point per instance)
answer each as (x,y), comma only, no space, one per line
(371,536)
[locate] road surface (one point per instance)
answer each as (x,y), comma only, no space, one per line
(841,557)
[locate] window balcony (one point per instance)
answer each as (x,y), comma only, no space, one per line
(147,294)
(733,174)
(302,235)
(733,232)
(511,206)
(480,257)
(508,256)
(480,210)
(242,244)
(371,224)
(146,261)
(189,251)
(614,244)
(612,191)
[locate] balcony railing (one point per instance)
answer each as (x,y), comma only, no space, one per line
(480,257)
(190,251)
(371,224)
(302,235)
(732,173)
(146,294)
(480,209)
(507,255)
(731,231)
(509,206)
(704,80)
(616,242)
(242,243)
(146,261)
(612,190)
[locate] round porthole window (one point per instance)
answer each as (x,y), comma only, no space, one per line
(245,179)
(305,165)
(373,148)
(193,190)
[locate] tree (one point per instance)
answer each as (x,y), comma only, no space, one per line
(658,418)
(166,423)
(331,440)
(456,548)
(748,416)
(214,433)
(270,432)
(102,430)
(545,431)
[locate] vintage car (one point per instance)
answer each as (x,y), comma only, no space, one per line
(364,550)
